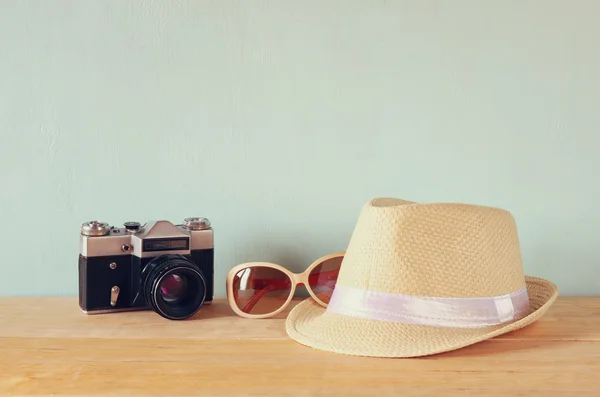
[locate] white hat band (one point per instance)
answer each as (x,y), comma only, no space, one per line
(439,312)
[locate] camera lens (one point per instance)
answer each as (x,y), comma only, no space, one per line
(174,287)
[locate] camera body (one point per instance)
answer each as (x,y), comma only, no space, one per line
(158,266)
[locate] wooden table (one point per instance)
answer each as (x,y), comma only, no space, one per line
(48,347)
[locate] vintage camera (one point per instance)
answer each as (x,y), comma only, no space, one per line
(159,266)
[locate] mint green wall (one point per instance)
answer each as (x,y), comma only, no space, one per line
(279,120)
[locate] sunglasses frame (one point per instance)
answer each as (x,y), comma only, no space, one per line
(296,278)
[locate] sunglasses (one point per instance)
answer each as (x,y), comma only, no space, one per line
(263,289)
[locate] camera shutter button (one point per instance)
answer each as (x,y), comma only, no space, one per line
(132,226)
(196,223)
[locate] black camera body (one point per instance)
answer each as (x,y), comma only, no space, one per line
(157,266)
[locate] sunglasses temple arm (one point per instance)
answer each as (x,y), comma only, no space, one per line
(254,300)
(324,278)
(271,285)
(276,283)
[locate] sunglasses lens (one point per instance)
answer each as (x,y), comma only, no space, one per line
(261,290)
(323,277)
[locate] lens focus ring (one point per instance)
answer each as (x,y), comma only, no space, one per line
(174,287)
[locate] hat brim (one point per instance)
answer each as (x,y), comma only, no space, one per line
(310,324)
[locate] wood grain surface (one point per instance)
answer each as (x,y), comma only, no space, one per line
(49,348)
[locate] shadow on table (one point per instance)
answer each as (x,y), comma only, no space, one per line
(217,309)
(535,337)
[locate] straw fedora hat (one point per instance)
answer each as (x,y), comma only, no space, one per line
(421,279)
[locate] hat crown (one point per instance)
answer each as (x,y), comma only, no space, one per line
(433,250)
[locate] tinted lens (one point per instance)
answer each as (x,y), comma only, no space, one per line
(174,288)
(323,277)
(261,290)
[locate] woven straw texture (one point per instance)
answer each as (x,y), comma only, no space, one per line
(432,250)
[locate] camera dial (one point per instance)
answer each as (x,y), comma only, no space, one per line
(132,227)
(95,228)
(196,223)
